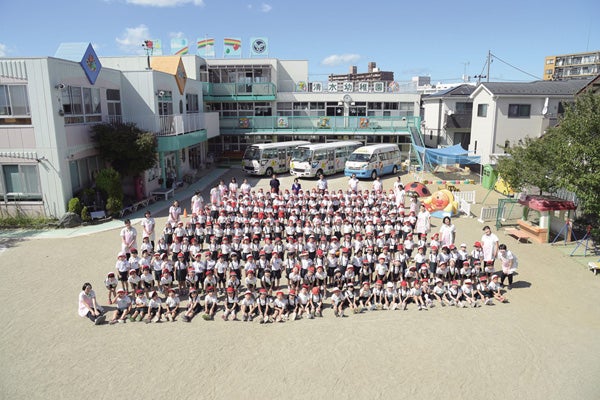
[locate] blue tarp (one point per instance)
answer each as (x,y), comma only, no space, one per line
(447,155)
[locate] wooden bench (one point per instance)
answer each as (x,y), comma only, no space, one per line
(520,235)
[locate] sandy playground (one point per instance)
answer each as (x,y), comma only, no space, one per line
(542,345)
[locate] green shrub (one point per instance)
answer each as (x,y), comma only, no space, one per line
(74,205)
(114,205)
(85,215)
(109,181)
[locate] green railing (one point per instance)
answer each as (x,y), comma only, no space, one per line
(239,90)
(322,124)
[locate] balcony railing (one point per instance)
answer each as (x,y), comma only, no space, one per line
(165,125)
(320,124)
(236,90)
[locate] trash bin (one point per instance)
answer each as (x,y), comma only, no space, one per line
(490,176)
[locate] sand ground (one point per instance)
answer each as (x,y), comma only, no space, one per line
(542,345)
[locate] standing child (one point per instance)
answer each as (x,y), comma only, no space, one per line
(111,284)
(122,267)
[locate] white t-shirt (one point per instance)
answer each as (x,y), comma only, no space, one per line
(488,243)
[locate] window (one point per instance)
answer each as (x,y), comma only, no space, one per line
(191,103)
(21,182)
(113,103)
(464,108)
(14,105)
(482,110)
(81,105)
(519,110)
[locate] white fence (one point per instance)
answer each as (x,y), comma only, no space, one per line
(488,214)
(466,196)
(509,212)
(465,207)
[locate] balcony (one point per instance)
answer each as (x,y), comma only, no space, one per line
(239,91)
(458,121)
(164,125)
(320,125)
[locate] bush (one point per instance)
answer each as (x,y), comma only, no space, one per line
(114,205)
(85,215)
(74,206)
(109,181)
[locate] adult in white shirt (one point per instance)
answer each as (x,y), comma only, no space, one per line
(447,232)
(377,185)
(509,264)
(489,242)
(423,224)
(353,183)
(174,214)
(322,184)
(148,226)
(88,307)
(128,238)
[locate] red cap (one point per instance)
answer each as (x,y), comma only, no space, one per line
(230,289)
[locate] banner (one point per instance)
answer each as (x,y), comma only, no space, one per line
(179,46)
(259,47)
(206,47)
(232,47)
(157,49)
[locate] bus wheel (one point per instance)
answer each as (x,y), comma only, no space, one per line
(374,174)
(395,170)
(269,171)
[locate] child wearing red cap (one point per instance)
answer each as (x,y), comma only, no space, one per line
(454,295)
(337,302)
(469,293)
(122,267)
(378,292)
(209,280)
(154,308)
(166,281)
(264,305)
(171,305)
(134,280)
(496,289)
(191,280)
(416,293)
(111,283)
(123,302)
(193,306)
(316,302)
(248,306)
(292,305)
(404,296)
(483,292)
(210,304)
(365,297)
(304,301)
(279,307)
(231,304)
(141,306)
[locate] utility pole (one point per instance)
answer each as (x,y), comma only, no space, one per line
(489,61)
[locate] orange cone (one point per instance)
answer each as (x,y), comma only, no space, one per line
(185,213)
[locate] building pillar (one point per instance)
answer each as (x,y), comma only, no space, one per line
(163,169)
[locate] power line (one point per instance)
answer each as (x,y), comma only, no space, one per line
(517,68)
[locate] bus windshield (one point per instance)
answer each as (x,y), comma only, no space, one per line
(252,153)
(360,157)
(301,154)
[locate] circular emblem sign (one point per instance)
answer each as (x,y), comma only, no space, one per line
(259,46)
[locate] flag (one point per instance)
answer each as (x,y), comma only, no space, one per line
(232,47)
(157,47)
(179,46)
(206,47)
(259,46)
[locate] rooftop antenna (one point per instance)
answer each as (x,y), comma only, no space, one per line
(148,45)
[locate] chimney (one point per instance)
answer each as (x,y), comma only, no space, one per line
(353,69)
(372,65)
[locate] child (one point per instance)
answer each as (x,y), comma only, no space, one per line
(439,292)
(231,304)
(316,302)
(210,304)
(111,284)
(292,305)
(417,295)
(146,280)
(122,267)
(193,307)
(263,304)
(337,302)
(469,293)
(280,307)
(404,296)
(154,308)
(304,302)
(123,302)
(482,291)
(172,305)
(378,294)
(248,306)
(496,289)
(350,298)
(141,306)
(166,281)
(454,295)
(134,280)
(365,297)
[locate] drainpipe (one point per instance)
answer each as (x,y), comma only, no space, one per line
(439,125)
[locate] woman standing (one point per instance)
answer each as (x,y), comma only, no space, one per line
(447,232)
(174,213)
(88,307)
(423,224)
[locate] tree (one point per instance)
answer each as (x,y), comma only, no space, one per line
(128,149)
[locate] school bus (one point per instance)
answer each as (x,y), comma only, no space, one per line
(321,158)
(268,158)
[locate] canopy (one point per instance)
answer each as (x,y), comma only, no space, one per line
(447,155)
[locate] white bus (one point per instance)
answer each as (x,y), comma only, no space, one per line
(321,158)
(373,161)
(268,158)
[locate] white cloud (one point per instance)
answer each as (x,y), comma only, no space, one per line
(166,3)
(338,59)
(3,50)
(176,34)
(131,40)
(264,7)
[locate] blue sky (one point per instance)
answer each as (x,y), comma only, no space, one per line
(442,39)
